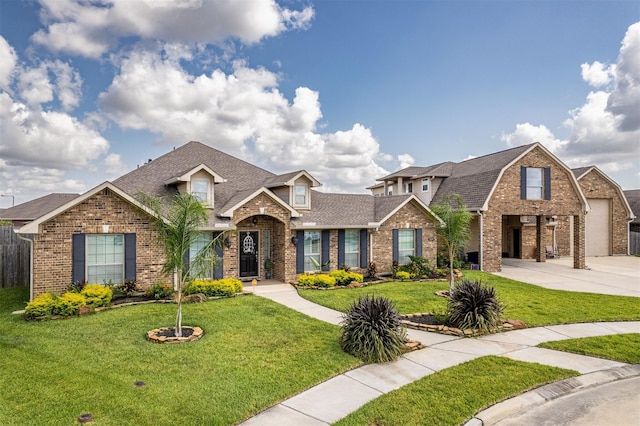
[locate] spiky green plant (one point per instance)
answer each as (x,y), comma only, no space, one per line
(474,305)
(371,330)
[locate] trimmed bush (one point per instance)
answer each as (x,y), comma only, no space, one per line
(97,295)
(403,275)
(69,304)
(317,280)
(371,330)
(473,305)
(41,306)
(223,287)
(344,278)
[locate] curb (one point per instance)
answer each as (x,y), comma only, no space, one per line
(539,396)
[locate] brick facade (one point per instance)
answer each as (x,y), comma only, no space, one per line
(505,201)
(52,249)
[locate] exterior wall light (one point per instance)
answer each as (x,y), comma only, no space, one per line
(227,242)
(294,240)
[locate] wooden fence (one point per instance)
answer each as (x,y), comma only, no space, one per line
(634,242)
(14,259)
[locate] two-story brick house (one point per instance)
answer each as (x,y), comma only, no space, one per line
(105,234)
(525,201)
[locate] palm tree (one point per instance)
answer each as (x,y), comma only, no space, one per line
(455,232)
(178,229)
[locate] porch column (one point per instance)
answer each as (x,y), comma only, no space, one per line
(578,241)
(400,186)
(541,254)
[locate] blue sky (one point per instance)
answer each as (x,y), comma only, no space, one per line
(348,90)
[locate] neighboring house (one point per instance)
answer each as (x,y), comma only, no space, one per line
(26,212)
(106,235)
(517,196)
(633,198)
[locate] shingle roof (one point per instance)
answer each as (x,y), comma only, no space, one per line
(440,170)
(474,179)
(579,171)
(633,198)
(35,208)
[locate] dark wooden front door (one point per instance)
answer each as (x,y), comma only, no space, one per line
(516,243)
(248,253)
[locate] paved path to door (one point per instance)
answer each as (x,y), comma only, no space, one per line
(617,275)
(337,397)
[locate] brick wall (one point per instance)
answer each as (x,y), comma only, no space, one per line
(506,200)
(410,216)
(52,261)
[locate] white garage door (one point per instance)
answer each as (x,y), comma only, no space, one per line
(598,228)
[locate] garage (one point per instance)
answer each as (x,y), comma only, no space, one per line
(598,228)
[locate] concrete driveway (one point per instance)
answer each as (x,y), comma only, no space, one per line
(616,275)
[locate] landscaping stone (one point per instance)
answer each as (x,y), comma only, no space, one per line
(195,298)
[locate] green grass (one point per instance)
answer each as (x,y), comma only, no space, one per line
(536,306)
(452,396)
(618,347)
(254,353)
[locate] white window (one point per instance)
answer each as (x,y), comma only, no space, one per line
(391,192)
(352,248)
(425,185)
(201,241)
(105,258)
(410,187)
(534,183)
(311,250)
(406,245)
(300,194)
(200,190)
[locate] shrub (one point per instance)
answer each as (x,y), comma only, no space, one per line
(344,278)
(41,306)
(317,280)
(160,291)
(371,330)
(372,270)
(418,267)
(97,295)
(403,275)
(69,303)
(211,288)
(128,288)
(473,305)
(76,286)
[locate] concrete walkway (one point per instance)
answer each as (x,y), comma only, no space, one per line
(334,399)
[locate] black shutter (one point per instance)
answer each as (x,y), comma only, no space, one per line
(395,250)
(364,245)
(324,258)
(78,255)
(523,183)
(418,235)
(218,269)
(130,257)
(300,252)
(341,234)
(547,183)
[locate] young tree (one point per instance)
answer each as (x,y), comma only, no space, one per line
(455,233)
(178,229)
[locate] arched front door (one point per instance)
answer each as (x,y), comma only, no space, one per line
(249,249)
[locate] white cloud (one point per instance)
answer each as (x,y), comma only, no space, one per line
(91,28)
(242,113)
(406,160)
(114,165)
(8,62)
(605,130)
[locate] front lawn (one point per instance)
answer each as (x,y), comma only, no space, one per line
(452,396)
(536,306)
(254,353)
(618,347)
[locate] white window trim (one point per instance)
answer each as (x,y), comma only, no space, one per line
(402,261)
(88,264)
(209,201)
(307,196)
(428,182)
(541,186)
(307,255)
(357,252)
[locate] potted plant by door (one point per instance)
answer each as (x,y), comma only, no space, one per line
(268,267)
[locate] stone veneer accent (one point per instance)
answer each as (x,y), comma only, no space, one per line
(52,246)
(505,200)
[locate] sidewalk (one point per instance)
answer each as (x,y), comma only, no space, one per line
(326,403)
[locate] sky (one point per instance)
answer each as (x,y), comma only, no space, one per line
(347,90)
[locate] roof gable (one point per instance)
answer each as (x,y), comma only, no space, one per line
(289,179)
(186,176)
(582,172)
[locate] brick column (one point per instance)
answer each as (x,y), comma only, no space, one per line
(540,239)
(492,242)
(578,241)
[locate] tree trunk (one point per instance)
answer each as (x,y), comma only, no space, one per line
(450,273)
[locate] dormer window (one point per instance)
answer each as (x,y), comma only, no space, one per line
(425,185)
(200,190)
(301,195)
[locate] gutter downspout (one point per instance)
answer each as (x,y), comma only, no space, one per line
(30,264)
(481,240)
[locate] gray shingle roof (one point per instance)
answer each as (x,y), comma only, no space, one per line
(35,208)
(474,179)
(413,172)
(579,171)
(633,198)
